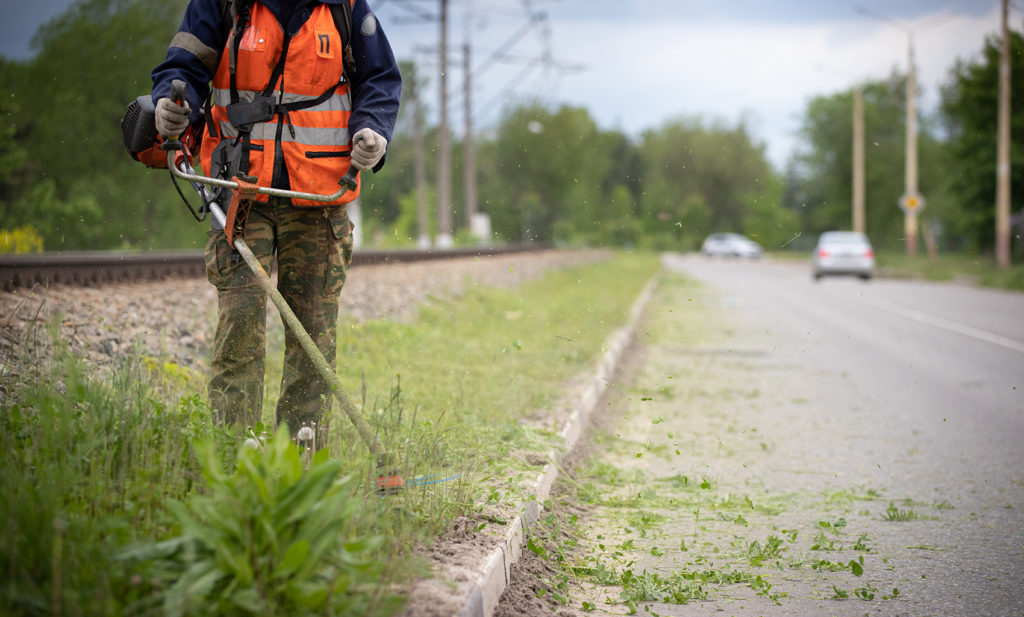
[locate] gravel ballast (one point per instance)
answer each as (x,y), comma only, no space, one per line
(173,319)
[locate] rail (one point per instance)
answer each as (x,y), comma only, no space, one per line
(88,268)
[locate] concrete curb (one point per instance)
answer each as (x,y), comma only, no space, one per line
(495,572)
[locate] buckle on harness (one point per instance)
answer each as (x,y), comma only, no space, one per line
(244,114)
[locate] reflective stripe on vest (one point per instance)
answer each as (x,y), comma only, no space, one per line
(337,102)
(312,136)
(314,140)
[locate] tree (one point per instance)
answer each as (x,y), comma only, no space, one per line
(969,109)
(548,167)
(820,177)
(700,178)
(77,185)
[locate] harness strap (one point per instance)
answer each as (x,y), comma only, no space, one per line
(342,22)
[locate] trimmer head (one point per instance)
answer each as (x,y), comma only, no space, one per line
(390,484)
(389,480)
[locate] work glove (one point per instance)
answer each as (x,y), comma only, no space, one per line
(368,148)
(171,118)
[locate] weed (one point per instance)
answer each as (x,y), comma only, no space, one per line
(862,543)
(763,588)
(89,461)
(756,553)
(824,543)
(894,514)
(849,496)
(647,587)
(269,539)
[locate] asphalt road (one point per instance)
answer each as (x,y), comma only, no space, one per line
(818,403)
(918,354)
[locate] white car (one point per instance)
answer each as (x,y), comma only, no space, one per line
(843,253)
(731,245)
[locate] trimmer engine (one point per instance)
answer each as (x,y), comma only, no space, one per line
(140,137)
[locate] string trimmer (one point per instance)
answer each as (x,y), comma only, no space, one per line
(178,160)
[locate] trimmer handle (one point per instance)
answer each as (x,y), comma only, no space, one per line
(349,180)
(178,91)
(174,143)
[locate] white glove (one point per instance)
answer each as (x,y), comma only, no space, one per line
(171,118)
(368,148)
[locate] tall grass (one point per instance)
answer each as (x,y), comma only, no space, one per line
(90,461)
(87,462)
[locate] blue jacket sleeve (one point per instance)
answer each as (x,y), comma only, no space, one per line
(199,38)
(376,83)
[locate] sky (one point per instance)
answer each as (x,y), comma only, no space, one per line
(636,64)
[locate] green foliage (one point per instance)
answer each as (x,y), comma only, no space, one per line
(756,553)
(698,179)
(969,108)
(88,463)
(894,514)
(504,363)
(91,461)
(947,267)
(821,180)
(65,170)
(550,166)
(272,538)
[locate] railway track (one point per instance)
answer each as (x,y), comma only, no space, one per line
(89,268)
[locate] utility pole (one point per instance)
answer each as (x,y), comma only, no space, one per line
(419,166)
(859,223)
(1003,148)
(444,170)
(467,143)
(911,202)
(444,238)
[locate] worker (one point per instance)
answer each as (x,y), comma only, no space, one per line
(295,101)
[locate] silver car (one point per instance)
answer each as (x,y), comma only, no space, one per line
(843,252)
(731,245)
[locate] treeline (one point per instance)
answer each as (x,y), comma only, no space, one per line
(553,175)
(63,169)
(544,174)
(956,156)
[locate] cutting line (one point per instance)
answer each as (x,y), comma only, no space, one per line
(945,324)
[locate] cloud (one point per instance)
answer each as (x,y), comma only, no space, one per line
(641,74)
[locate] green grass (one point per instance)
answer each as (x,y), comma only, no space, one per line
(91,461)
(87,464)
(475,367)
(948,267)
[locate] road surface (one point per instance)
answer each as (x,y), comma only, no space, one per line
(776,430)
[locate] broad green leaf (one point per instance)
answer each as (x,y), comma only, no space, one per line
(293,559)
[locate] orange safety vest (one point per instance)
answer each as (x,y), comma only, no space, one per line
(309,103)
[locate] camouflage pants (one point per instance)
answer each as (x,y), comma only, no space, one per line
(313,247)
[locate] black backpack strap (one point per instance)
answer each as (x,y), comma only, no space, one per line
(227,17)
(342,14)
